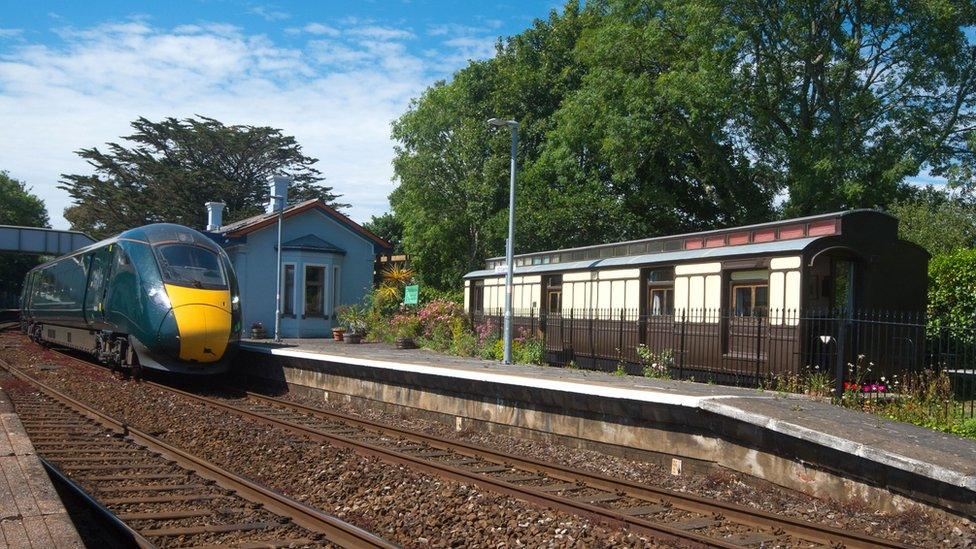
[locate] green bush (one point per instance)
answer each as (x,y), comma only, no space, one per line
(952,295)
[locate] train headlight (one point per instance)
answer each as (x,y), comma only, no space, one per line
(235,303)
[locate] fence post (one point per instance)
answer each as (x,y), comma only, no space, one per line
(620,337)
(758,345)
(681,344)
(841,340)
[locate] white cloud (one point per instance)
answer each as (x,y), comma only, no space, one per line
(336,92)
(268,12)
(336,98)
(10,33)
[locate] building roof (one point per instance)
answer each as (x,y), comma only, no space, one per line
(260,221)
(312,243)
(781,246)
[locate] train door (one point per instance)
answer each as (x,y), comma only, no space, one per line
(748,308)
(100,262)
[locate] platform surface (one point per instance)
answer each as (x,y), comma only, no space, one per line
(930,453)
(31,513)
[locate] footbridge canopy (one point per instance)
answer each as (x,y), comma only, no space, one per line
(41,241)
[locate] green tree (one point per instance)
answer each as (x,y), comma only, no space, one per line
(387,227)
(952,295)
(169,169)
(843,99)
(936,220)
(18,206)
(602,149)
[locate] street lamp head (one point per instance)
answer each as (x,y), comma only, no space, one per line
(501,122)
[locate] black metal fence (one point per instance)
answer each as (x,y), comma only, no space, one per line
(871,352)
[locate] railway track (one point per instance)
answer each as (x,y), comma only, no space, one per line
(662,514)
(162,495)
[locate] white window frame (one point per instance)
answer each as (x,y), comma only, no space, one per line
(294,296)
(325,288)
(336,294)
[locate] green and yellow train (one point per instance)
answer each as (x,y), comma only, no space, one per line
(160,297)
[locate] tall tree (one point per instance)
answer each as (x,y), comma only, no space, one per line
(387,227)
(844,99)
(18,206)
(169,169)
(937,220)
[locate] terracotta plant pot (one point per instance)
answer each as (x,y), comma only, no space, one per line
(352,338)
(405,343)
(337,333)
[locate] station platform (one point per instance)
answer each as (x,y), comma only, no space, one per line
(794,441)
(31,513)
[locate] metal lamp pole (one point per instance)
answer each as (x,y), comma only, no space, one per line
(510,243)
(277,333)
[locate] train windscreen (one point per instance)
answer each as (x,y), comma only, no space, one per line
(192,266)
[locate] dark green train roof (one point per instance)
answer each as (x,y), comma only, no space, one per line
(155,234)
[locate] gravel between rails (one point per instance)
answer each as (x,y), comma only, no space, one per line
(413,509)
(914,527)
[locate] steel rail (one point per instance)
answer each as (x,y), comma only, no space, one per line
(333,528)
(123,529)
(738,513)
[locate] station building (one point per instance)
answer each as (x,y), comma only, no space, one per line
(327,261)
(735,285)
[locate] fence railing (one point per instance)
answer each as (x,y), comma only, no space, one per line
(860,350)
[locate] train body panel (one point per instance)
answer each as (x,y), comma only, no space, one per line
(160,296)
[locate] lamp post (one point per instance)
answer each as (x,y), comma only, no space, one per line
(281,209)
(510,243)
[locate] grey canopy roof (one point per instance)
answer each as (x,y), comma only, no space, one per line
(778,246)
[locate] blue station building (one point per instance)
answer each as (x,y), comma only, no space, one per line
(327,261)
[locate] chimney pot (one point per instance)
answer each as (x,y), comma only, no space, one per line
(278,187)
(215,215)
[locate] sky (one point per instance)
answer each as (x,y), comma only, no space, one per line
(333,74)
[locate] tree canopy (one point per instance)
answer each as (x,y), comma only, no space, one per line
(647,117)
(169,169)
(387,227)
(18,206)
(936,220)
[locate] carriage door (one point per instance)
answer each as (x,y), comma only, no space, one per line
(99,264)
(748,309)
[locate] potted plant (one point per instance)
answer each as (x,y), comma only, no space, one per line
(407,328)
(337,332)
(354,317)
(258,331)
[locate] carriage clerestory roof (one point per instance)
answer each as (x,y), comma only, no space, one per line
(678,256)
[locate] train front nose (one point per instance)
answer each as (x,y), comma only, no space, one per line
(203,321)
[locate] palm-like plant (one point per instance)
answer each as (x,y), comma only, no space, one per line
(397,275)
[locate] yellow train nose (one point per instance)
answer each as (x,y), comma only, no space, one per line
(203,318)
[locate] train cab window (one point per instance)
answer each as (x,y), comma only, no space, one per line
(185,265)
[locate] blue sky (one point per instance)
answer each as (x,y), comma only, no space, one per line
(333,74)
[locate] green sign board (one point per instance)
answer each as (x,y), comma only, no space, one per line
(410,294)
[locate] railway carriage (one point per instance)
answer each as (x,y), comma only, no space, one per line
(754,299)
(161,296)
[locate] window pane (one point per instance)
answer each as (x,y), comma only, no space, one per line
(190,266)
(314,291)
(742,300)
(289,297)
(762,300)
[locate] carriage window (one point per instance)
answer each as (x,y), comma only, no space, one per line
(192,266)
(750,299)
(661,301)
(554,301)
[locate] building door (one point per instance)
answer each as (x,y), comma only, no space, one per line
(748,311)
